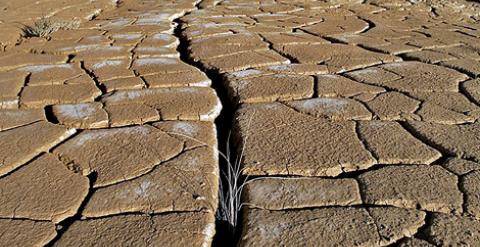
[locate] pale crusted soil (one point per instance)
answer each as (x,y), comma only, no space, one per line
(358,121)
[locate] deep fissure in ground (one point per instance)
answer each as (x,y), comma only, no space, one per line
(225,235)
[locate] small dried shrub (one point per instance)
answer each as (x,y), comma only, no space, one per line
(46,26)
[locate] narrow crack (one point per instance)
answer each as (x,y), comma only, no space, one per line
(370,23)
(364,104)
(377,228)
(270,46)
(25,84)
(467,95)
(51,147)
(63,226)
(169,212)
(95,79)
(408,127)
(364,143)
(146,172)
(461,188)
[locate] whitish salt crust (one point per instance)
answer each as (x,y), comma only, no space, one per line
(107,63)
(44,67)
(156,60)
(127,36)
(9,104)
(83,138)
(77,110)
(245,73)
(328,104)
(186,128)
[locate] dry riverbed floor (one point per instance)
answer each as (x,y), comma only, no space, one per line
(358,122)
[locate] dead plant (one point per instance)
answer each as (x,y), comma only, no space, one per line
(231,184)
(45,26)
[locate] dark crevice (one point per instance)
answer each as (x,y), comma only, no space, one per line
(343,175)
(422,232)
(334,40)
(427,35)
(23,218)
(224,121)
(407,58)
(132,55)
(198,5)
(224,124)
(315,86)
(370,23)
(373,49)
(358,206)
(99,85)
(137,213)
(21,125)
(25,84)
(442,160)
(63,226)
(49,115)
(270,46)
(145,82)
(328,38)
(283,54)
(70,58)
(434,12)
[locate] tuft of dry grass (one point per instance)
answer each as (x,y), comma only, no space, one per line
(46,26)
(231,188)
(232,183)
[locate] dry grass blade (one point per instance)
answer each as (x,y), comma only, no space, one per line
(46,26)
(231,186)
(231,183)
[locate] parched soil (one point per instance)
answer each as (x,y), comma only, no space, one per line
(357,122)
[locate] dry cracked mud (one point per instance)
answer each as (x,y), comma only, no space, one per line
(356,122)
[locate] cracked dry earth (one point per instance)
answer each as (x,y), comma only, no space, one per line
(358,121)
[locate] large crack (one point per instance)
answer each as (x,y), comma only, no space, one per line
(224,125)
(223,122)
